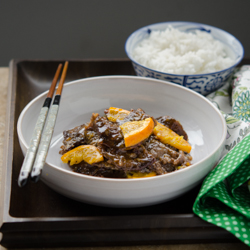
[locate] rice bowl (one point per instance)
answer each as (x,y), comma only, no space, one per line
(203,83)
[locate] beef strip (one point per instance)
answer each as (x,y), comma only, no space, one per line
(109,132)
(73,138)
(99,170)
(136,115)
(168,157)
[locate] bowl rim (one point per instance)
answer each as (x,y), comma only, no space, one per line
(221,142)
(183,22)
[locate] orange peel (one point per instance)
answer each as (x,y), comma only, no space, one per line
(87,153)
(115,114)
(134,175)
(168,136)
(136,131)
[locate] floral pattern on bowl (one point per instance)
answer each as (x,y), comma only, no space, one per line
(203,84)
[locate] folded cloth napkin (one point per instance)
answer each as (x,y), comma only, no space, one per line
(224,198)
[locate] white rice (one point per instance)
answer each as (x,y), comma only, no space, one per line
(177,52)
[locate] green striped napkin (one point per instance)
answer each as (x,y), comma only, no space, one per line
(224,198)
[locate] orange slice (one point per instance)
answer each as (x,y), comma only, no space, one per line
(168,136)
(133,175)
(137,131)
(87,153)
(117,114)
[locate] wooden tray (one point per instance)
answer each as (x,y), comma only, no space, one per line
(36,216)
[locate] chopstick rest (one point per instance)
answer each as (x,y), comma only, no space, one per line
(36,136)
(48,131)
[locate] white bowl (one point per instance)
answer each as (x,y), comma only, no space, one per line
(203,123)
(202,83)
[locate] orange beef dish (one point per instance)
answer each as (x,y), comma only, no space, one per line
(126,144)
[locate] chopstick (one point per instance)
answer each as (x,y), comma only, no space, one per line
(41,138)
(48,130)
(34,142)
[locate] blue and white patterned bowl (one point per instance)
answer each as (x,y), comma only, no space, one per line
(201,83)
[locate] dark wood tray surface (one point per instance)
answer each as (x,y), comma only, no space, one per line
(37,216)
